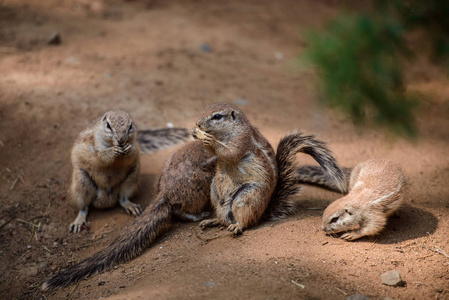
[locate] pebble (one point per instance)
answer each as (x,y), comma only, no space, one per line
(392,278)
(54,39)
(241,102)
(211,284)
(279,55)
(72,60)
(206,48)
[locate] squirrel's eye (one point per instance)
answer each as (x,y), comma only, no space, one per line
(131,128)
(334,219)
(217,117)
(108,126)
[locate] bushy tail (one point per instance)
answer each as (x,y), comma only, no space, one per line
(315,175)
(152,140)
(134,239)
(281,203)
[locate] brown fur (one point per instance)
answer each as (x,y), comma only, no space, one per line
(247,170)
(184,191)
(376,190)
(105,160)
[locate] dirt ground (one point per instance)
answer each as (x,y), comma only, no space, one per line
(163,62)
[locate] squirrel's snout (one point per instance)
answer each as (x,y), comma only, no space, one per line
(121,141)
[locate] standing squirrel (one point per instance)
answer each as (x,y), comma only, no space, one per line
(251,180)
(105,159)
(184,192)
(376,190)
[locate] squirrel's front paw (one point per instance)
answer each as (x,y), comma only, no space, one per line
(208,139)
(204,137)
(350,236)
(236,229)
(209,223)
(118,150)
(126,148)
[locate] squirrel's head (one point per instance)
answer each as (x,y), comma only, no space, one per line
(221,117)
(118,127)
(338,217)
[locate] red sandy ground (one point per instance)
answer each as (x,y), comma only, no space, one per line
(145,57)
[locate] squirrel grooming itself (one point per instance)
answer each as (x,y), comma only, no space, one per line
(105,160)
(252,181)
(184,192)
(376,190)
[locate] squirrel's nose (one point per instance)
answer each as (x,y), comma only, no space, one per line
(121,140)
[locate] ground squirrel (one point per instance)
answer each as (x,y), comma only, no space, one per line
(185,189)
(184,192)
(376,190)
(250,179)
(105,159)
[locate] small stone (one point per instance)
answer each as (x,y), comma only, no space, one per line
(241,102)
(206,48)
(72,60)
(54,39)
(357,297)
(392,278)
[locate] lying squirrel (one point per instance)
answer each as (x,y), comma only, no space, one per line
(376,190)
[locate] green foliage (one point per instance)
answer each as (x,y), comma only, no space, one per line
(431,15)
(358,62)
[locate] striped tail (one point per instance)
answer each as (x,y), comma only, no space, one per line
(291,144)
(152,140)
(134,239)
(317,176)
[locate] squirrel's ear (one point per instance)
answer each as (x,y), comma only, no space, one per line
(348,211)
(104,118)
(233,115)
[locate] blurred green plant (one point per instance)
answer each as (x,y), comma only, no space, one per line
(430,15)
(359,60)
(358,64)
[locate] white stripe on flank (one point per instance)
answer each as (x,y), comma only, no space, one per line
(264,151)
(389,195)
